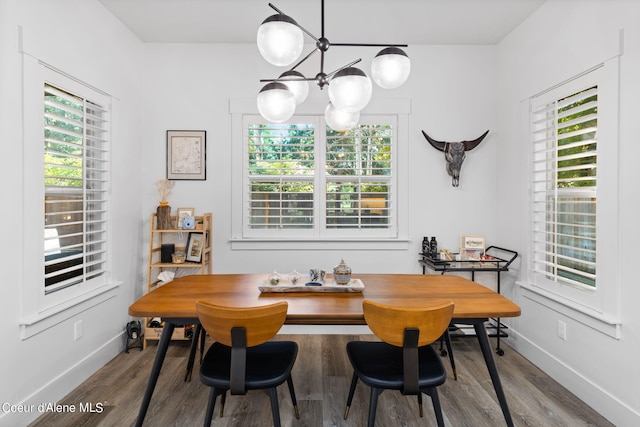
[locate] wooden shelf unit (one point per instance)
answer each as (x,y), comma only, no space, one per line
(178,237)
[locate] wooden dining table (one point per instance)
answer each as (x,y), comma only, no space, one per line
(474,304)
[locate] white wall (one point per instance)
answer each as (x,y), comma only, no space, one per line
(47,366)
(452,95)
(543,52)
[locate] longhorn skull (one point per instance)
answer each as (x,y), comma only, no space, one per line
(454,154)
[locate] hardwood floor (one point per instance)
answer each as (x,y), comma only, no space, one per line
(322,376)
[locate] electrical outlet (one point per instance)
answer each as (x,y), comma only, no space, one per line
(562,330)
(77,330)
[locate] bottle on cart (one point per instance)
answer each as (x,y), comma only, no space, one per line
(433,247)
(425,245)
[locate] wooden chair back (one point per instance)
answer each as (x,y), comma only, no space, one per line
(389,322)
(261,323)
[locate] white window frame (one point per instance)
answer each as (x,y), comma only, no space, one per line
(599,306)
(362,239)
(41,310)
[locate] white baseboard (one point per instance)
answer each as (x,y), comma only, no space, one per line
(610,407)
(63,384)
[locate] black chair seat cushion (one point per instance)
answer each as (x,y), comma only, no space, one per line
(268,365)
(379,365)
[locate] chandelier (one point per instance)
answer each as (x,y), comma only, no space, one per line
(281,40)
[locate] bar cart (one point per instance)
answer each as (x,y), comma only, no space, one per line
(489,262)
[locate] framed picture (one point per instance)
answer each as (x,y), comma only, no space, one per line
(182,213)
(472,246)
(187,154)
(195,245)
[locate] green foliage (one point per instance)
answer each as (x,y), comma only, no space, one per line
(575,133)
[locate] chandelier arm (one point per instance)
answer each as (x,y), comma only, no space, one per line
(307,32)
(304,59)
(343,67)
(369,45)
(292,79)
(276,9)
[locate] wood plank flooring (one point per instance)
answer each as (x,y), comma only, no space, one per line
(322,376)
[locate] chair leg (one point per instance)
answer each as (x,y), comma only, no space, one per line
(212,403)
(352,389)
(447,339)
(293,397)
(223,400)
(275,410)
(203,338)
(420,404)
(433,392)
(373,406)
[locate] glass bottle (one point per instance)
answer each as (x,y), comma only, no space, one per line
(425,245)
(433,246)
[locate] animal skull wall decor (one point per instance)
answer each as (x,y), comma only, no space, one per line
(454,154)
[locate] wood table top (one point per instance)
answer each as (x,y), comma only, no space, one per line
(177,298)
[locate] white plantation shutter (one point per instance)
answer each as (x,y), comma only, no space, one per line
(359,178)
(76,178)
(564,140)
(281,170)
(305,180)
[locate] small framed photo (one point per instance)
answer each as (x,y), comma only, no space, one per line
(181,213)
(186,155)
(195,245)
(472,246)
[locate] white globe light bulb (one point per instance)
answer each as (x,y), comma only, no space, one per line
(293,80)
(276,103)
(350,90)
(339,120)
(280,40)
(390,68)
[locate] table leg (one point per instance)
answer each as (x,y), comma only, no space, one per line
(192,353)
(163,345)
(481,333)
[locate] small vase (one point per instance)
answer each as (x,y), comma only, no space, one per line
(274,278)
(163,216)
(342,273)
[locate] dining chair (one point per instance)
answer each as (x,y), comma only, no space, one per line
(243,358)
(403,360)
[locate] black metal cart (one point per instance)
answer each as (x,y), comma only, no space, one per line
(489,263)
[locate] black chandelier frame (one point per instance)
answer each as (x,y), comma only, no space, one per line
(322,45)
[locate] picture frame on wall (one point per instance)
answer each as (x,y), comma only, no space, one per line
(472,246)
(187,155)
(195,245)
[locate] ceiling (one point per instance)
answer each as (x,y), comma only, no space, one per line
(346,21)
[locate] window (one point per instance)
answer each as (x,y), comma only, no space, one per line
(574,230)
(302,179)
(564,198)
(75,188)
(66,244)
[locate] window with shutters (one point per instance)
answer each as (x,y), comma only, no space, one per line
(76,171)
(302,179)
(67,179)
(564,143)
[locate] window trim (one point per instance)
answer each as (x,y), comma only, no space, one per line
(400,108)
(42,310)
